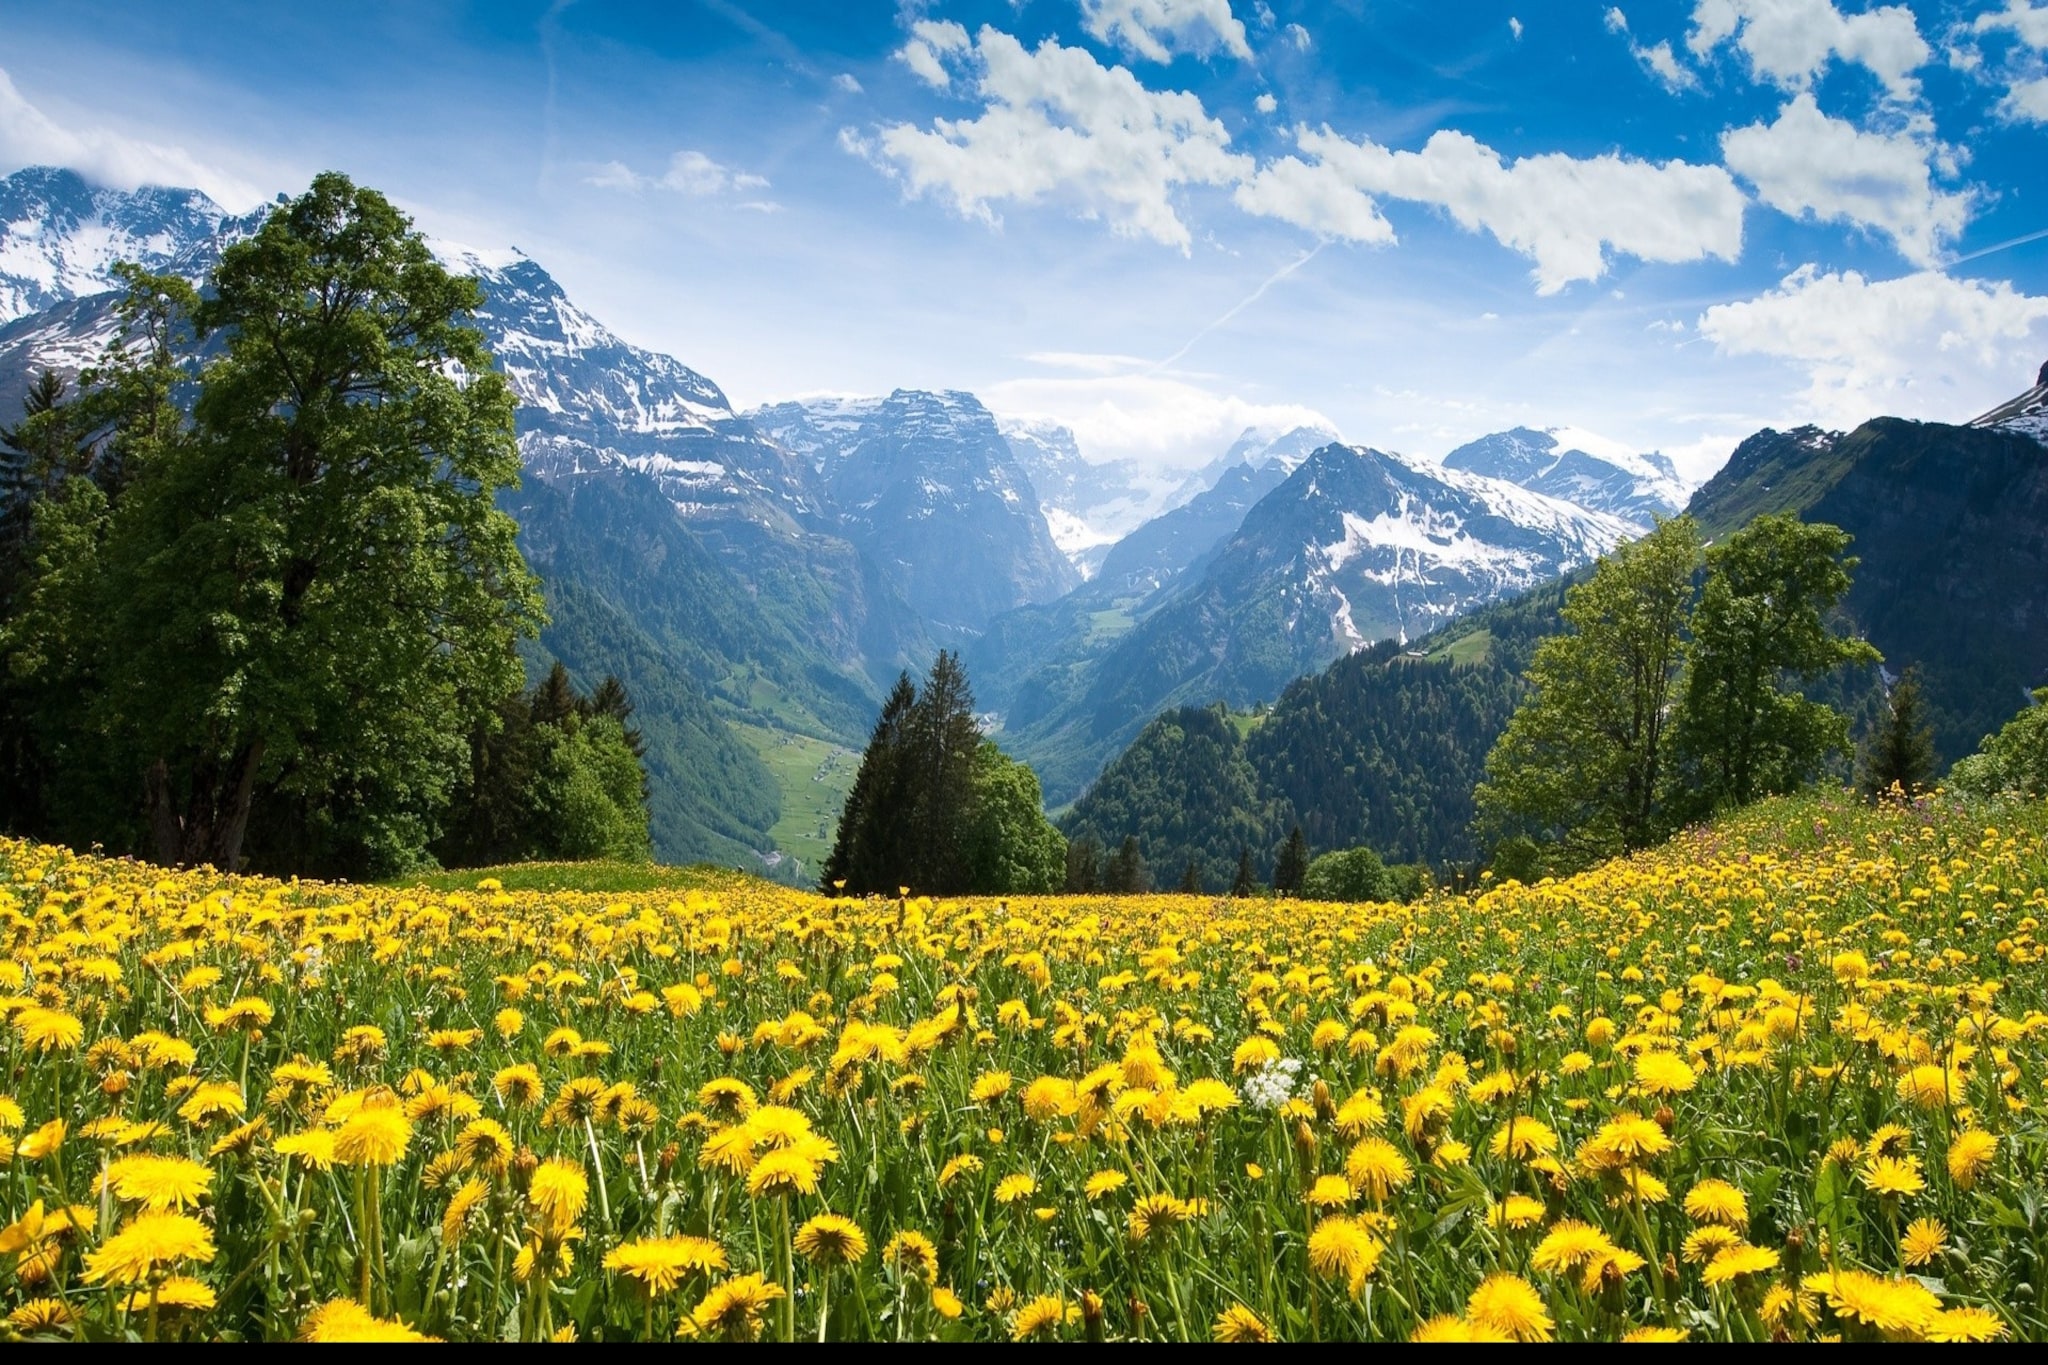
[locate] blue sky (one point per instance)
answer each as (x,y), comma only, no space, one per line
(1162,220)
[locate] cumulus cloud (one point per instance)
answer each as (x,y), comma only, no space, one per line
(1265,104)
(2026,101)
(1566,213)
(1790,42)
(1925,345)
(1158,420)
(29,137)
(1156,29)
(1809,165)
(846,81)
(689,172)
(1658,59)
(931,42)
(2027,21)
(1296,34)
(1056,122)
(2026,95)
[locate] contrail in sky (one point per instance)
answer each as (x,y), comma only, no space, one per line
(2001,246)
(1247,301)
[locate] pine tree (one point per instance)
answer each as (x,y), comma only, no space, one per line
(1128,875)
(864,852)
(554,699)
(1292,865)
(943,741)
(1084,866)
(1246,882)
(1901,750)
(1191,879)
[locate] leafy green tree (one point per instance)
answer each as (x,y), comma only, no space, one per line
(1352,874)
(1012,849)
(1127,874)
(2013,762)
(1760,632)
(1900,751)
(304,599)
(1246,881)
(1582,759)
(1292,864)
(590,792)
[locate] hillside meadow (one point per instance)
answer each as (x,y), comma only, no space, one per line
(1779,1079)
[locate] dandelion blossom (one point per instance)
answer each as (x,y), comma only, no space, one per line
(147,1246)
(1510,1305)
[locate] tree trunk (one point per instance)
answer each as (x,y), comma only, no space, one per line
(216,812)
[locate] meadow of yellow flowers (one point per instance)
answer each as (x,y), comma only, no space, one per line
(1781,1079)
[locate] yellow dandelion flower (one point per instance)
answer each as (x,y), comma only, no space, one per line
(1510,1305)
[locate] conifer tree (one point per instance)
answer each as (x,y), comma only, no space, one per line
(1191,878)
(941,746)
(1246,882)
(1084,866)
(1900,751)
(1128,875)
(1292,865)
(869,823)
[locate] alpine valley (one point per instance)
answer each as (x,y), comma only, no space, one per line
(758,579)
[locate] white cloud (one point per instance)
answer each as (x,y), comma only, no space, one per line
(1157,420)
(1057,122)
(1515,27)
(1811,166)
(689,172)
(1265,104)
(1790,42)
(2027,101)
(1156,29)
(930,42)
(2027,21)
(2026,96)
(1564,212)
(846,82)
(29,137)
(1298,35)
(1659,60)
(1924,346)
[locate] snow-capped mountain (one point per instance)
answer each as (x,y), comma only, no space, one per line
(1558,462)
(2026,414)
(588,400)
(930,490)
(1363,546)
(60,237)
(1355,546)
(820,429)
(1089,506)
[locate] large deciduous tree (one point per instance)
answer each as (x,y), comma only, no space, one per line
(1761,632)
(1582,760)
(304,600)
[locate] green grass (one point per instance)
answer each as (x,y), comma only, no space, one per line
(1466,649)
(1246,722)
(1107,625)
(814,775)
(601,878)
